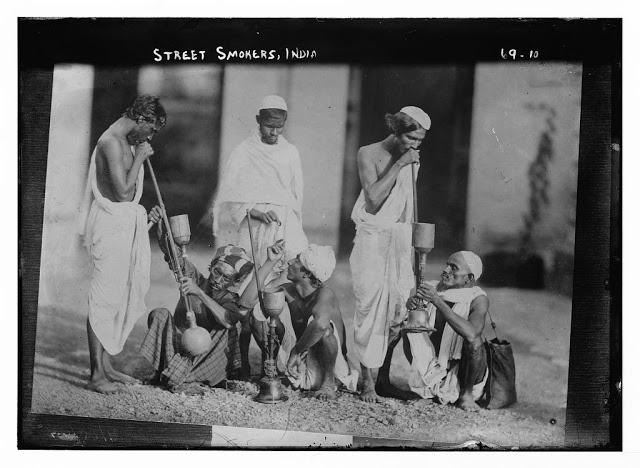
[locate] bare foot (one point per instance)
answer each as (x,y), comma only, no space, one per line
(466,403)
(116,376)
(326,393)
(102,386)
(368,393)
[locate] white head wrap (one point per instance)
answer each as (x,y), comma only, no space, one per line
(418,115)
(474,262)
(273,102)
(319,260)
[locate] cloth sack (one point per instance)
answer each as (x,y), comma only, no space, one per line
(500,390)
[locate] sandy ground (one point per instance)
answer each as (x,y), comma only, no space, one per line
(537,323)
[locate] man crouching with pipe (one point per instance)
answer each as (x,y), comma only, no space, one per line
(217,309)
(319,356)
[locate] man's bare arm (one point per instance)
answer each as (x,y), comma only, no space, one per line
(319,327)
(122,181)
(377,190)
(188,286)
(249,296)
(471,328)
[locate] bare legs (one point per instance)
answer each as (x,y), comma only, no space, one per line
(102,373)
(368,391)
(473,366)
(323,356)
(245,342)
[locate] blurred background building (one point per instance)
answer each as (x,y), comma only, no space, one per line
(498,173)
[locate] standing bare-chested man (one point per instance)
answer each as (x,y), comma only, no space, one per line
(381,264)
(115,233)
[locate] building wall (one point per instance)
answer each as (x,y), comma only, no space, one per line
(63,262)
(513,105)
(317,99)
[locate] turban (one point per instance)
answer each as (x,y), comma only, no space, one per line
(272,102)
(319,260)
(474,262)
(234,256)
(418,115)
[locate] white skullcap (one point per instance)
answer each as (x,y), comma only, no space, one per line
(474,262)
(319,260)
(418,115)
(272,102)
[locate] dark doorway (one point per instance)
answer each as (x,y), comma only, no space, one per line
(445,93)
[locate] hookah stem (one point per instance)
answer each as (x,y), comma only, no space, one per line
(259,288)
(255,261)
(172,244)
(416,259)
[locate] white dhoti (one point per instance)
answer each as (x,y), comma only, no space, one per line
(116,236)
(381,269)
(437,376)
(347,376)
(267,178)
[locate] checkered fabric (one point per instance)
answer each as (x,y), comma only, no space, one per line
(161,345)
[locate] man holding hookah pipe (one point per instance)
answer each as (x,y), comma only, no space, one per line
(216,308)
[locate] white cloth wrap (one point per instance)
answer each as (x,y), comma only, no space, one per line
(381,269)
(342,370)
(264,177)
(116,236)
(437,376)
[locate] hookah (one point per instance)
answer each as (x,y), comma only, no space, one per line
(195,340)
(423,237)
(271,302)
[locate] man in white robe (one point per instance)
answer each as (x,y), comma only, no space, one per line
(381,264)
(114,227)
(264,178)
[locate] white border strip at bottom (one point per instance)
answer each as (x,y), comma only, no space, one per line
(227,436)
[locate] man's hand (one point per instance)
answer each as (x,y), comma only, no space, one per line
(427,293)
(293,364)
(188,286)
(276,251)
(410,157)
(414,303)
(155,215)
(267,218)
(144,150)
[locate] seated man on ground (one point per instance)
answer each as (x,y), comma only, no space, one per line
(320,353)
(217,309)
(450,364)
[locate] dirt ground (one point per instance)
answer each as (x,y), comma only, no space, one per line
(537,323)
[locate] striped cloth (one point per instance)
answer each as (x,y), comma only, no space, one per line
(161,345)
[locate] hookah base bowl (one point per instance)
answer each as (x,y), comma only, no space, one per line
(271,391)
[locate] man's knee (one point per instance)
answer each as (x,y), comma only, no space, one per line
(473,347)
(329,342)
(160,313)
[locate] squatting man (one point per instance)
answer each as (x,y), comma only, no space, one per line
(217,309)
(450,363)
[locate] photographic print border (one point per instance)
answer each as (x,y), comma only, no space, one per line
(594,404)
